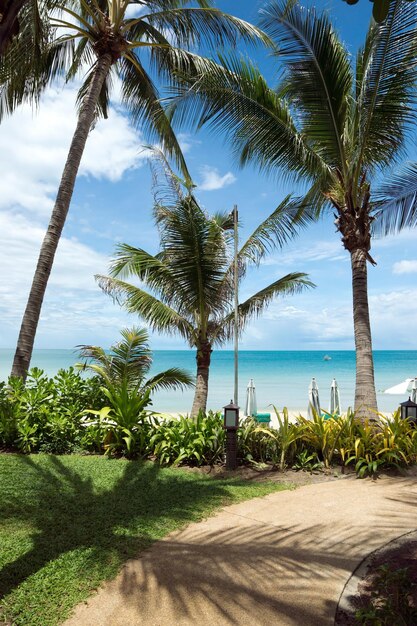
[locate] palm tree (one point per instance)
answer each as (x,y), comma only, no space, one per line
(128,363)
(99,36)
(331,125)
(190,281)
(124,424)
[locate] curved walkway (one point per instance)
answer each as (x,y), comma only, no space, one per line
(279,560)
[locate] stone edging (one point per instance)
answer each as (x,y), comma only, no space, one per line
(351,586)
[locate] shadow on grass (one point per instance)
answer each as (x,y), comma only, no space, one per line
(69,505)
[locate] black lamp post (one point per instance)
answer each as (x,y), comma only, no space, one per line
(409,410)
(231,424)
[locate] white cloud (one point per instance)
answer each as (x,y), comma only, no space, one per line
(212,180)
(403,237)
(405,267)
(74,309)
(317,251)
(34,147)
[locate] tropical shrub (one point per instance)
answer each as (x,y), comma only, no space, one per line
(44,414)
(391,599)
(306,462)
(322,434)
(124,426)
(195,441)
(257,443)
(288,434)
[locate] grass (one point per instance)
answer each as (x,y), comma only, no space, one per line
(67,523)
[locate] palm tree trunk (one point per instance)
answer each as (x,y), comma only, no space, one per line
(365,396)
(203,359)
(9,24)
(31,316)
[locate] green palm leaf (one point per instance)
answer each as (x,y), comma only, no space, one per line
(396,202)
(385,82)
(318,77)
(253,307)
(233,97)
(173,378)
(159,315)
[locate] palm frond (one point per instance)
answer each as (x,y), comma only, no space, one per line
(141,99)
(173,378)
(385,86)
(22,62)
(128,360)
(252,307)
(396,202)
(205,26)
(157,314)
(318,75)
(152,270)
(234,99)
(280,227)
(193,246)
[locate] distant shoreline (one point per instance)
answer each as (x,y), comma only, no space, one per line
(281,377)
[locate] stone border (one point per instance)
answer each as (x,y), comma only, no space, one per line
(350,589)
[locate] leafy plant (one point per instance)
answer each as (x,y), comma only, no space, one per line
(287,435)
(391,601)
(45,413)
(257,444)
(306,462)
(198,441)
(323,435)
(367,466)
(125,424)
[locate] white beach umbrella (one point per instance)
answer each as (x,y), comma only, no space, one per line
(402,388)
(413,396)
(313,399)
(250,408)
(334,407)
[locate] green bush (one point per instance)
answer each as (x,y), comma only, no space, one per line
(256,443)
(391,601)
(45,414)
(198,441)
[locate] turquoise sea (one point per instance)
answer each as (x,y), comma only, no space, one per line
(281,377)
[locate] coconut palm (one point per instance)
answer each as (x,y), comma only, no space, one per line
(128,362)
(190,280)
(98,36)
(330,123)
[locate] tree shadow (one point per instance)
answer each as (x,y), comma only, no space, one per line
(70,510)
(248,566)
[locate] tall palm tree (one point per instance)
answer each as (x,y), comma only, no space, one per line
(330,123)
(190,280)
(98,36)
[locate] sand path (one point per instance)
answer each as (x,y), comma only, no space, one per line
(278,560)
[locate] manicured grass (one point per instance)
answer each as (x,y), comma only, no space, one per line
(68,522)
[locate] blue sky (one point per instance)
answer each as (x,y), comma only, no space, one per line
(112,203)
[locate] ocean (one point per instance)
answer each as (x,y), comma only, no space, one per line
(280,377)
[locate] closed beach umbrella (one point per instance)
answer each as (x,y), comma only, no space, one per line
(334,408)
(402,388)
(413,396)
(313,399)
(250,408)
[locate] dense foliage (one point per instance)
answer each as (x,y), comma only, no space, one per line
(45,414)
(70,413)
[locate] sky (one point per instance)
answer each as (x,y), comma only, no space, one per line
(112,203)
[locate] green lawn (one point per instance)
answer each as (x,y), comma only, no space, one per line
(68,522)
